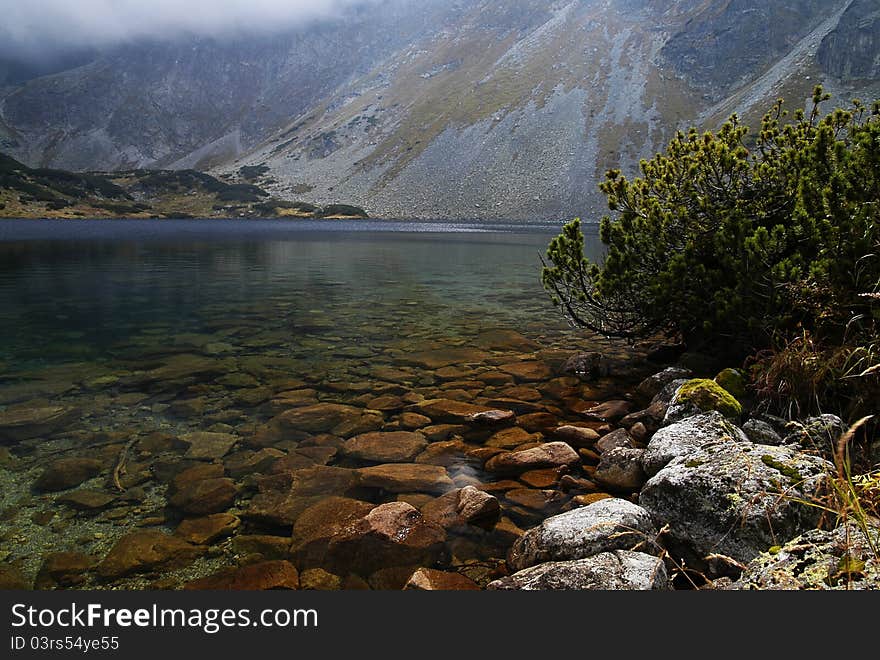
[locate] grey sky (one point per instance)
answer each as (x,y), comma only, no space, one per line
(31,26)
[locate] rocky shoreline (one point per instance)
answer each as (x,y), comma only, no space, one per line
(467,469)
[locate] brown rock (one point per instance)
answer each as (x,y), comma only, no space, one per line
(540,422)
(639,432)
(86,500)
(512,438)
(451,452)
(406,478)
(550,455)
(411,421)
(576,436)
(250,462)
(264,545)
(317,579)
(319,418)
(444,357)
(609,411)
(440,432)
(208,446)
(206,530)
(458,412)
(66,473)
(590,498)
(281,503)
(621,469)
(460,508)
(544,501)
(386,403)
(546,478)
(396,447)
(22,423)
(427,579)
(204,496)
(613,440)
(145,551)
(503,339)
(277,574)
(64,569)
(393,534)
(530,371)
(11,579)
(322,521)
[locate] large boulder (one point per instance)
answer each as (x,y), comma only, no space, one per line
(843,559)
(611,524)
(686,436)
(618,570)
(550,455)
(734,499)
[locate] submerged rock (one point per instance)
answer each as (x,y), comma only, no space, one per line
(277,574)
(67,473)
(208,446)
(393,534)
(22,423)
(395,447)
(550,455)
(610,524)
(147,550)
(206,530)
(406,478)
(64,569)
(459,412)
(617,570)
(460,508)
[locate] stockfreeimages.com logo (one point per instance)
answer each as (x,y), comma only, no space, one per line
(210,621)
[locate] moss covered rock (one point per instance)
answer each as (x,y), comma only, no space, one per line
(733,381)
(702,395)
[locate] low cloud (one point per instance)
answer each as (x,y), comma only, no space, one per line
(34,27)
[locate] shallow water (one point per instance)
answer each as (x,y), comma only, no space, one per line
(141,332)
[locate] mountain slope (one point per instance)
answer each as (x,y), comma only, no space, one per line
(447,108)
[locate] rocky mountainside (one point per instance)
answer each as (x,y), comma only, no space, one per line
(445,108)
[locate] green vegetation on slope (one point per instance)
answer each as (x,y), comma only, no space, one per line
(45,193)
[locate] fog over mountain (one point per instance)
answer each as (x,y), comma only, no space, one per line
(36,29)
(435,108)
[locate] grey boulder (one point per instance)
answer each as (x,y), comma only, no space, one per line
(618,570)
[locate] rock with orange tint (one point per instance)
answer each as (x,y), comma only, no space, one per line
(427,579)
(278,574)
(406,478)
(394,447)
(147,550)
(550,455)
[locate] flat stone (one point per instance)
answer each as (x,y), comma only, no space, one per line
(206,530)
(543,501)
(447,454)
(428,579)
(67,473)
(249,462)
(406,478)
(86,500)
(64,569)
(266,546)
(576,436)
(319,418)
(277,574)
(512,438)
(147,550)
(208,446)
(395,447)
(204,496)
(503,339)
(609,411)
(411,421)
(22,423)
(546,478)
(618,570)
(459,412)
(550,455)
(444,357)
(539,422)
(283,506)
(529,371)
(317,579)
